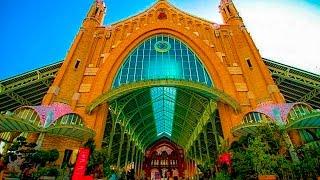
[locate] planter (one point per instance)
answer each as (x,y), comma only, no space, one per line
(47,178)
(267,177)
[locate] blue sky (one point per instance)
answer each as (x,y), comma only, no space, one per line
(36,33)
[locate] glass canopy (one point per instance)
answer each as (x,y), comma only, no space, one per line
(163,108)
(162,57)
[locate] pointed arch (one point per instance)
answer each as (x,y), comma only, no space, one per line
(211,61)
(162,56)
(219,73)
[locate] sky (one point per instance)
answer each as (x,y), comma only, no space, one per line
(36,33)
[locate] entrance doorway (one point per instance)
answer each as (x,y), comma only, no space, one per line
(164,160)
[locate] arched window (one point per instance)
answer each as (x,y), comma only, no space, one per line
(298,111)
(70,119)
(254,117)
(29,114)
(162,56)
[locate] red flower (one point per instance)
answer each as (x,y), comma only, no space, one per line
(225,159)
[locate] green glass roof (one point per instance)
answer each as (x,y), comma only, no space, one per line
(151,113)
(163,102)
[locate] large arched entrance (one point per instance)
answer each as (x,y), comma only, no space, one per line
(162,91)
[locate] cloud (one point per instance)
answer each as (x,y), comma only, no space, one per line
(286,31)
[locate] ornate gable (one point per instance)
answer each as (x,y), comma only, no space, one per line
(163,10)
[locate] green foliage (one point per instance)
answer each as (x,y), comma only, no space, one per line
(223,145)
(45,171)
(107,171)
(22,158)
(40,157)
(97,157)
(13,175)
(272,135)
(263,162)
(222,176)
(99,164)
(267,152)
(20,148)
(53,155)
(309,161)
(206,166)
(243,165)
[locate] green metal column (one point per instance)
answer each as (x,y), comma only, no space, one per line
(127,152)
(292,151)
(194,152)
(136,162)
(113,129)
(120,149)
(200,150)
(215,133)
(40,140)
(207,147)
(133,151)
(206,142)
(192,162)
(195,160)
(141,165)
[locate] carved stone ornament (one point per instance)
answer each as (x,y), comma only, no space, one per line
(162,14)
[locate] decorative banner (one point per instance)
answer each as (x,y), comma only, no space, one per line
(81,165)
(277,112)
(49,114)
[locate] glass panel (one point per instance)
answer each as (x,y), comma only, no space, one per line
(163,103)
(162,56)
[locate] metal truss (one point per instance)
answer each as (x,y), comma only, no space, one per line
(206,116)
(311,95)
(28,88)
(18,98)
(208,92)
(294,74)
(39,76)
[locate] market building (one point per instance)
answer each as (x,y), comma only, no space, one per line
(158,90)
